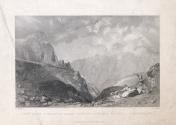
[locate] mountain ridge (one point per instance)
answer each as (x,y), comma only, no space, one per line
(104,70)
(35,68)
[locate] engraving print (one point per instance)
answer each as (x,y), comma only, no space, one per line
(87,61)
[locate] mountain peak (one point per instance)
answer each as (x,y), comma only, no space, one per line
(37,36)
(36,48)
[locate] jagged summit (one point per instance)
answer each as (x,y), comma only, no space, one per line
(39,74)
(35,48)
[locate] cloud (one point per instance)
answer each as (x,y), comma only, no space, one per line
(25,25)
(27,20)
(75,37)
(77,50)
(103,37)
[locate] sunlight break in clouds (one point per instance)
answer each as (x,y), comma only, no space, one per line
(81,37)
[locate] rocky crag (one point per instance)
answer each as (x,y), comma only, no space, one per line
(139,89)
(42,79)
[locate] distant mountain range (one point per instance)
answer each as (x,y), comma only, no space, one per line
(106,70)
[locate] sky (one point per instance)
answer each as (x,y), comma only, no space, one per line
(77,37)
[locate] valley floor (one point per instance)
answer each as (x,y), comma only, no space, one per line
(143,100)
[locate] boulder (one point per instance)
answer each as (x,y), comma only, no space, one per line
(130,93)
(27,103)
(76,75)
(21,100)
(139,89)
(43,99)
(133,93)
(45,104)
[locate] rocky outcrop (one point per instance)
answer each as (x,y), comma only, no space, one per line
(36,80)
(93,90)
(39,73)
(133,85)
(154,76)
(35,48)
(108,92)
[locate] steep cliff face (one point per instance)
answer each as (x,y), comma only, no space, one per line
(154,77)
(37,80)
(35,48)
(39,73)
(93,90)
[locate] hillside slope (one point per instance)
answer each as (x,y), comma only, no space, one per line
(105,70)
(140,89)
(39,73)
